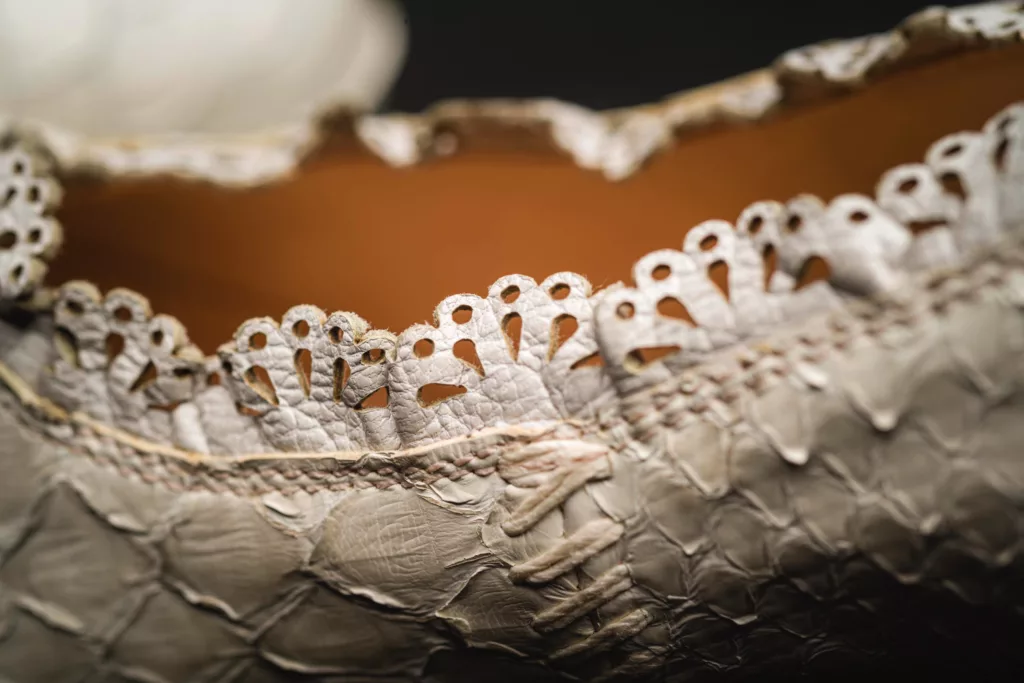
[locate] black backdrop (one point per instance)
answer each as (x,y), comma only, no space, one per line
(606,53)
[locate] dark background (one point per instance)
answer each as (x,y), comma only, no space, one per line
(605,53)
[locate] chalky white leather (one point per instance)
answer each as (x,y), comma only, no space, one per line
(319,383)
(699,475)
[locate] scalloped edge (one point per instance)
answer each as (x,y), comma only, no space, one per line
(747,366)
(868,242)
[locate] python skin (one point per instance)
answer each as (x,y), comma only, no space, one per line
(725,471)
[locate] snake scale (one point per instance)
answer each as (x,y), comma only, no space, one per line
(724,471)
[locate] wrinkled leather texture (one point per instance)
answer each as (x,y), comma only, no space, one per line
(816,476)
(693,549)
(315,382)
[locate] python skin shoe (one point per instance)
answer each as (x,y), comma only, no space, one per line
(791,445)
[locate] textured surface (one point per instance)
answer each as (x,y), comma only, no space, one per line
(689,547)
(528,354)
(808,479)
(724,471)
(29,236)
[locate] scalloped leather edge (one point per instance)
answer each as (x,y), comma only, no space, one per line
(132,383)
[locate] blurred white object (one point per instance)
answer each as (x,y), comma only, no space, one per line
(121,68)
